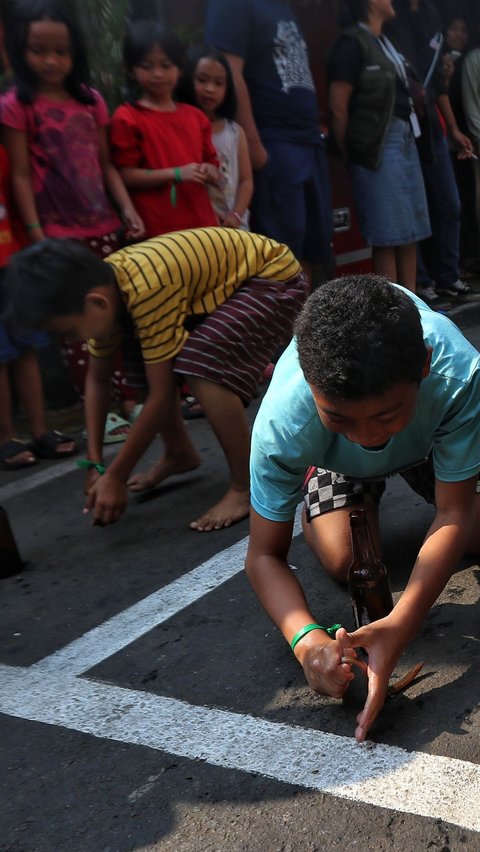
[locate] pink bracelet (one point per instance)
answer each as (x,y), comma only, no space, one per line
(237,216)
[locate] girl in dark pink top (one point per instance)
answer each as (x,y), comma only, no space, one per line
(55,134)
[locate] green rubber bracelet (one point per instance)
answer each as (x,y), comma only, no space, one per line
(177,178)
(33,226)
(308,627)
(86,464)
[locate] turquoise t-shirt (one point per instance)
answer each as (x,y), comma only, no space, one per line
(288,435)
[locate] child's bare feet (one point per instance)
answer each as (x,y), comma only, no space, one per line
(167,466)
(233,507)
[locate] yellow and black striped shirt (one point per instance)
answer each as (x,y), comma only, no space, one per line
(171,277)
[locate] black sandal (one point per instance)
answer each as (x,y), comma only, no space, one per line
(46,447)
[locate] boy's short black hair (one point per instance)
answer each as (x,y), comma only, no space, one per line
(51,279)
(358,336)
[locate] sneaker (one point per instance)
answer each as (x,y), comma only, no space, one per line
(434,300)
(428,294)
(458,290)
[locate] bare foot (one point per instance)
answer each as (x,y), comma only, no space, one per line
(24,458)
(233,507)
(167,466)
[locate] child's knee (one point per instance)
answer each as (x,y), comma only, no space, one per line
(337,567)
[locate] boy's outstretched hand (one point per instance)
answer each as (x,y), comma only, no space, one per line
(107,497)
(383,643)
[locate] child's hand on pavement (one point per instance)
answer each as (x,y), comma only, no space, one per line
(107,498)
(320,658)
(384,644)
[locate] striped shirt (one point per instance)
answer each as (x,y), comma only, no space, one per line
(169,278)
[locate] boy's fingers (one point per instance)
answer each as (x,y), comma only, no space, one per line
(344,638)
(355,639)
(90,500)
(101,517)
(373,705)
(105,514)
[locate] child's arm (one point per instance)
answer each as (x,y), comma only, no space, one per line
(210,162)
(232,218)
(97,399)
(108,495)
(17,148)
(282,596)
(447,539)
(136,178)
(117,189)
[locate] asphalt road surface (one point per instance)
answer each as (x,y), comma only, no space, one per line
(149,704)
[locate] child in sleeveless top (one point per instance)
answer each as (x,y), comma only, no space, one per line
(209,85)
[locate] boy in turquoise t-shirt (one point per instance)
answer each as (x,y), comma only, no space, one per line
(374,384)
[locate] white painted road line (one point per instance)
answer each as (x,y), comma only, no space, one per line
(118,632)
(411,782)
(126,627)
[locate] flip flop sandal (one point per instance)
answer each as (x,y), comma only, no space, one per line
(10,449)
(47,446)
(112,423)
(135,413)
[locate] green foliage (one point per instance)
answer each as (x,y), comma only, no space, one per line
(103,25)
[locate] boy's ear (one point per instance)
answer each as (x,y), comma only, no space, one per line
(96,299)
(428,361)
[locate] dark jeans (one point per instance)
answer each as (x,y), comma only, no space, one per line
(441,251)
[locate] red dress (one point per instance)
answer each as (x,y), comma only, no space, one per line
(146,138)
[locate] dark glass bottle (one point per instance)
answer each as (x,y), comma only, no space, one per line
(368,583)
(10,561)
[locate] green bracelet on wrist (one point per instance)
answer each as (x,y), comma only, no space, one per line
(308,627)
(177,178)
(86,464)
(32,226)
